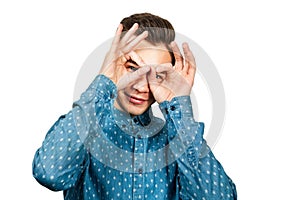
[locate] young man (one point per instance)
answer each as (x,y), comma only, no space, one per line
(110,146)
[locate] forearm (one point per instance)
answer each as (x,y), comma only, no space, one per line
(59,162)
(184,133)
(201,176)
(207,181)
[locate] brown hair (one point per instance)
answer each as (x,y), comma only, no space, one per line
(160,31)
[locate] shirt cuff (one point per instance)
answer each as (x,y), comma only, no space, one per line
(102,89)
(178,107)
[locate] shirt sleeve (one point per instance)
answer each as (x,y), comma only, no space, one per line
(200,175)
(62,158)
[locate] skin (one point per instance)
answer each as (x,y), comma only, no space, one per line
(137,97)
(143,72)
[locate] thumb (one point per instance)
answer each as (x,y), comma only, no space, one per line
(152,75)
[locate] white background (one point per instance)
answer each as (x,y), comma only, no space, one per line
(255,46)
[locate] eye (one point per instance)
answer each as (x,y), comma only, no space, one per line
(160,76)
(132,68)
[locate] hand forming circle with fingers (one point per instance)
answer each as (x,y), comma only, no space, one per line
(174,80)
(116,57)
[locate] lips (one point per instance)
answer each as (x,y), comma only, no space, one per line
(136,100)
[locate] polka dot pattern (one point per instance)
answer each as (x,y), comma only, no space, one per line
(97,152)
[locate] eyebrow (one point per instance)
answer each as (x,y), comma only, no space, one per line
(132,61)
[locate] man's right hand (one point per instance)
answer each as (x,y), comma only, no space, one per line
(119,53)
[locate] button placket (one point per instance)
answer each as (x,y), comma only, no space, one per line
(139,160)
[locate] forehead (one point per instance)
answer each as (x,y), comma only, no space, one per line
(153,54)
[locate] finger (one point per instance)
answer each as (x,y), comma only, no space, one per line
(130,46)
(190,63)
(117,36)
(177,56)
(123,59)
(171,73)
(152,75)
(153,82)
(129,33)
(135,75)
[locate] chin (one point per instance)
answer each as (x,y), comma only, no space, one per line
(133,110)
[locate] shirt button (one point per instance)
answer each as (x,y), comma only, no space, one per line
(123,126)
(172,108)
(135,120)
(139,136)
(140,170)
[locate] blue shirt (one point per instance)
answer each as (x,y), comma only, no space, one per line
(98,152)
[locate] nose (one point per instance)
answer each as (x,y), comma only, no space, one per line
(142,84)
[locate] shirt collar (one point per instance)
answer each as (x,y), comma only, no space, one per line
(144,125)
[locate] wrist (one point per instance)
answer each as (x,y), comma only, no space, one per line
(178,107)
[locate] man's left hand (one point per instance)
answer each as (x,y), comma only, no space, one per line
(167,81)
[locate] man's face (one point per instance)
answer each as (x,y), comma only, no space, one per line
(136,98)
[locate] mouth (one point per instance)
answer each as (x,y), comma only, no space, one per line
(136,100)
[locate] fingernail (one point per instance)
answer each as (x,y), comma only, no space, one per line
(173,44)
(119,26)
(185,45)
